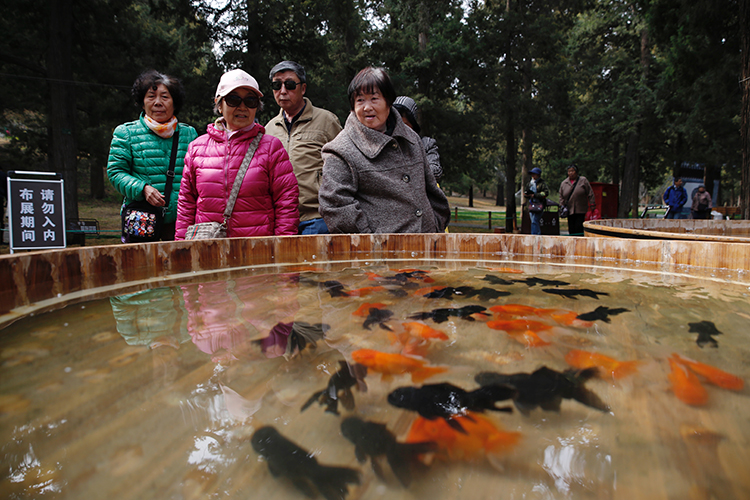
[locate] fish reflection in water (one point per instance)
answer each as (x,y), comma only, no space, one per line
(447,401)
(469,313)
(706,331)
(573,293)
(602,313)
(546,388)
(286,459)
(339,388)
(374,440)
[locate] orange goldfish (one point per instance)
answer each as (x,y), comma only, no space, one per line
(585,359)
(686,385)
(364,309)
(481,436)
(389,364)
(522,330)
(563,317)
(506,270)
(367,290)
(416,338)
(513,310)
(712,374)
(420,330)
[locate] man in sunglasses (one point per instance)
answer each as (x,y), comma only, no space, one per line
(303,129)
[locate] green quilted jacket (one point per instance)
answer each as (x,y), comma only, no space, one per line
(138,157)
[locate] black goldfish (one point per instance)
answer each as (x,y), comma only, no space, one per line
(496,280)
(334,288)
(378,317)
(286,459)
(447,401)
(601,313)
(705,330)
(375,440)
(572,293)
(545,388)
(441,315)
(484,293)
(303,334)
(533,281)
(339,388)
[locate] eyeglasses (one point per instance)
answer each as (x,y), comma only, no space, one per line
(250,100)
(289,84)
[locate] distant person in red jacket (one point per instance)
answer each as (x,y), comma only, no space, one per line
(268,196)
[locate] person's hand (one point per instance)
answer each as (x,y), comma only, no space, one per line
(153,196)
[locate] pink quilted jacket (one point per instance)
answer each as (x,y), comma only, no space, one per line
(268,198)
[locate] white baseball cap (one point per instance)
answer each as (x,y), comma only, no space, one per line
(235,79)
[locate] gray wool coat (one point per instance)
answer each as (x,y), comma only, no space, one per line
(375,183)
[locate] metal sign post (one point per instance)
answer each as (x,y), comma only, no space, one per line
(36,210)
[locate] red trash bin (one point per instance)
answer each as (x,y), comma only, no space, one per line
(607,198)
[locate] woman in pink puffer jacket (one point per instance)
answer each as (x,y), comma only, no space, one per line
(268,198)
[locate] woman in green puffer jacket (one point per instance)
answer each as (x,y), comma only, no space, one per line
(140,151)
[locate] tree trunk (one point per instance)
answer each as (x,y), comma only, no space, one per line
(96,180)
(615,169)
(62,147)
(471,195)
(630,180)
(745,112)
(526,153)
(510,174)
(629,190)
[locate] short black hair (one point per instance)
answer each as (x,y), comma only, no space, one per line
(298,69)
(150,79)
(369,80)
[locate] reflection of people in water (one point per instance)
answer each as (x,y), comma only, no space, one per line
(153,318)
(150,317)
(226,317)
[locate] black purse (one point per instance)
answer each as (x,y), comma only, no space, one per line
(535,205)
(141,221)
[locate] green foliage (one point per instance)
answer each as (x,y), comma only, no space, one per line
(567,73)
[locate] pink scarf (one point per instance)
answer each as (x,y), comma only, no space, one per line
(164,130)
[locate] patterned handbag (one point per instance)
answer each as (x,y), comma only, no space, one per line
(141,221)
(209,230)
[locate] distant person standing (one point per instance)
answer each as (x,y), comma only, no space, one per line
(701,207)
(536,191)
(303,129)
(407,108)
(3,197)
(577,197)
(675,197)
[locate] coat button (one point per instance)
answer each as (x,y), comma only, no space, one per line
(405,178)
(394,146)
(418,213)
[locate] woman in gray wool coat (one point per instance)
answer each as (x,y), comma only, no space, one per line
(376,177)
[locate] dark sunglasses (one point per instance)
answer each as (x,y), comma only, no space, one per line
(289,84)
(251,101)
